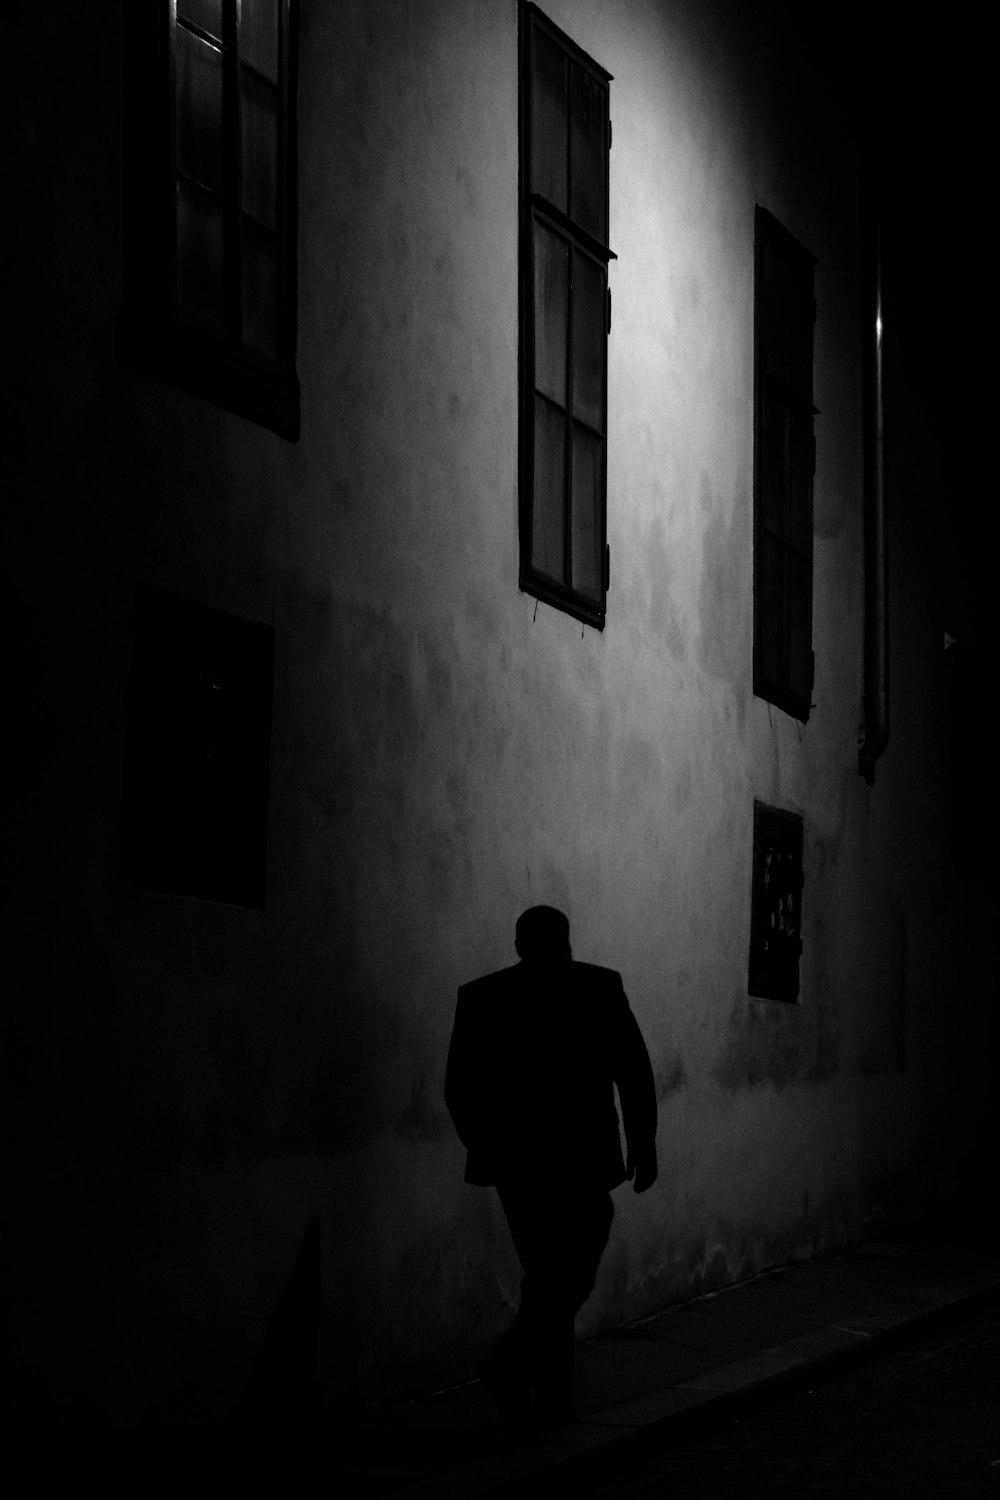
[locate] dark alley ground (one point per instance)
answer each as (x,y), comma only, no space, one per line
(922,1419)
(880,1360)
(872,1372)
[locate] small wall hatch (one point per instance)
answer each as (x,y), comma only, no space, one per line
(776,904)
(195,793)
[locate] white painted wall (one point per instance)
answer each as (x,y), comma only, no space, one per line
(446,752)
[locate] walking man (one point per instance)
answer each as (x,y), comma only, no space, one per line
(536,1053)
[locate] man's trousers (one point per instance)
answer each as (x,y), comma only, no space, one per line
(559,1233)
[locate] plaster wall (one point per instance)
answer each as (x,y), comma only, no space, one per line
(445,752)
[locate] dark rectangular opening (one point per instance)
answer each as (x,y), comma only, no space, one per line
(776,904)
(197,752)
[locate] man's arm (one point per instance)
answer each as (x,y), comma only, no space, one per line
(637,1094)
(460,1079)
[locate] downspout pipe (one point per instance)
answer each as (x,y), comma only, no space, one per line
(875,731)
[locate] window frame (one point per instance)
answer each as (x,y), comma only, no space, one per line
(775,677)
(156,335)
(536,209)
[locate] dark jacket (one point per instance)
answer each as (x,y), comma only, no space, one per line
(535,1056)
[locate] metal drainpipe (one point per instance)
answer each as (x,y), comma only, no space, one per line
(876,692)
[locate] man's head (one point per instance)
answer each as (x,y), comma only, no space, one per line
(542,936)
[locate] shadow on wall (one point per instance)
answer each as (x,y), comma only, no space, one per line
(281,1393)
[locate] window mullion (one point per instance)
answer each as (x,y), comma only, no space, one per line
(786,523)
(568,481)
(786,611)
(281,188)
(231,103)
(568,491)
(170,290)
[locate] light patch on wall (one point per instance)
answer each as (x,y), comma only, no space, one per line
(725,581)
(640,772)
(659,570)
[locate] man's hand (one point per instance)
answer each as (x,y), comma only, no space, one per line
(641,1167)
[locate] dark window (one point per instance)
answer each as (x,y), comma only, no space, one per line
(565,306)
(210,203)
(194,801)
(776,904)
(784,462)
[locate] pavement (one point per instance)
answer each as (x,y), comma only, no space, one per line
(700,1361)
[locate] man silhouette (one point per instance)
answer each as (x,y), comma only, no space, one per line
(536,1052)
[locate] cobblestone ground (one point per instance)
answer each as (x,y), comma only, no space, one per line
(923,1420)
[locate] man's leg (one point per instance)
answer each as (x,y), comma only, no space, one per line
(559,1235)
(580,1227)
(510,1369)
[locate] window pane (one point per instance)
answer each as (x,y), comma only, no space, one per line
(587,154)
(784,451)
(259,36)
(800,625)
(549,128)
(775,327)
(551,312)
(771,608)
(260,292)
(548,523)
(787,323)
(199,110)
(204,13)
(800,466)
(588,453)
(589,324)
(199,251)
(773,471)
(800,331)
(259,125)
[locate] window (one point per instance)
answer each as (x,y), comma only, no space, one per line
(784,463)
(776,904)
(210,203)
(565,316)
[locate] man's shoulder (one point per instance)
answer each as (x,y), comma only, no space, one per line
(490,984)
(576,982)
(515,973)
(596,978)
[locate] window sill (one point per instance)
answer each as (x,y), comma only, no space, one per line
(570,604)
(203,369)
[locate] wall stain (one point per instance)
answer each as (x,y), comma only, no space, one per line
(470,188)
(683,786)
(724,617)
(670,1075)
(775,1042)
(664,616)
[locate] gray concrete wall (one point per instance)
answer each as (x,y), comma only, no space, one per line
(445,752)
